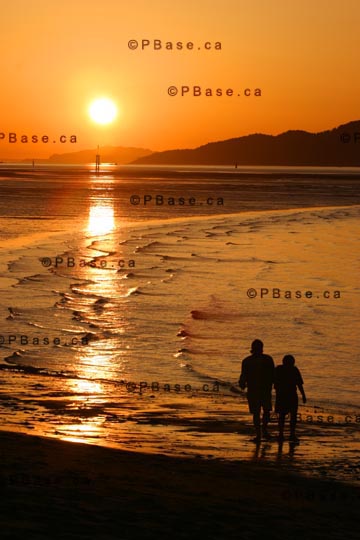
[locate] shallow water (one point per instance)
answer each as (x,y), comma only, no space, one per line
(166,303)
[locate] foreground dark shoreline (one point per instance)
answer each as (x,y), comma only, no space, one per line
(57,489)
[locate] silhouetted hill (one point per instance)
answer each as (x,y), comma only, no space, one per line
(292,148)
(109,154)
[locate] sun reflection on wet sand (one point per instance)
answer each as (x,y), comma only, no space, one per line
(87,387)
(81,433)
(88,410)
(101,218)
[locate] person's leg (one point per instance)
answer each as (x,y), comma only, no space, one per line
(265,421)
(293,419)
(281,425)
(256,420)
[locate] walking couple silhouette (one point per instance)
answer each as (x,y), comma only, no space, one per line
(258,375)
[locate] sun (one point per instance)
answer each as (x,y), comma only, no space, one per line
(103,111)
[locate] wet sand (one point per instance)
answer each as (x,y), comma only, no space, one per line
(54,489)
(215,427)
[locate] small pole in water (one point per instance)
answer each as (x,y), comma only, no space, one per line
(33,163)
(97,162)
(235,164)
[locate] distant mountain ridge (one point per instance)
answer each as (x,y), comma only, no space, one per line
(337,147)
(109,154)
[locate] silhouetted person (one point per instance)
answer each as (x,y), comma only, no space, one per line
(257,374)
(287,380)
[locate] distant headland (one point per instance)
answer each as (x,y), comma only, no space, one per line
(338,147)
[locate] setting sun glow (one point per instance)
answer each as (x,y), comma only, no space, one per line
(103,111)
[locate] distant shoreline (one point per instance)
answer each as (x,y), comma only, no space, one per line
(182,171)
(337,147)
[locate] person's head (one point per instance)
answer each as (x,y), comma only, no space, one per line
(288,360)
(257,346)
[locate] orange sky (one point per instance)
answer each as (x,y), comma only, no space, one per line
(58,56)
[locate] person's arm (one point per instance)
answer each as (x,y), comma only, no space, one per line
(273,373)
(302,392)
(299,384)
(242,378)
(276,379)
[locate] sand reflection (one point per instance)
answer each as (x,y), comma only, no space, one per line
(101,218)
(87,403)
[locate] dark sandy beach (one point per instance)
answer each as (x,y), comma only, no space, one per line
(54,489)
